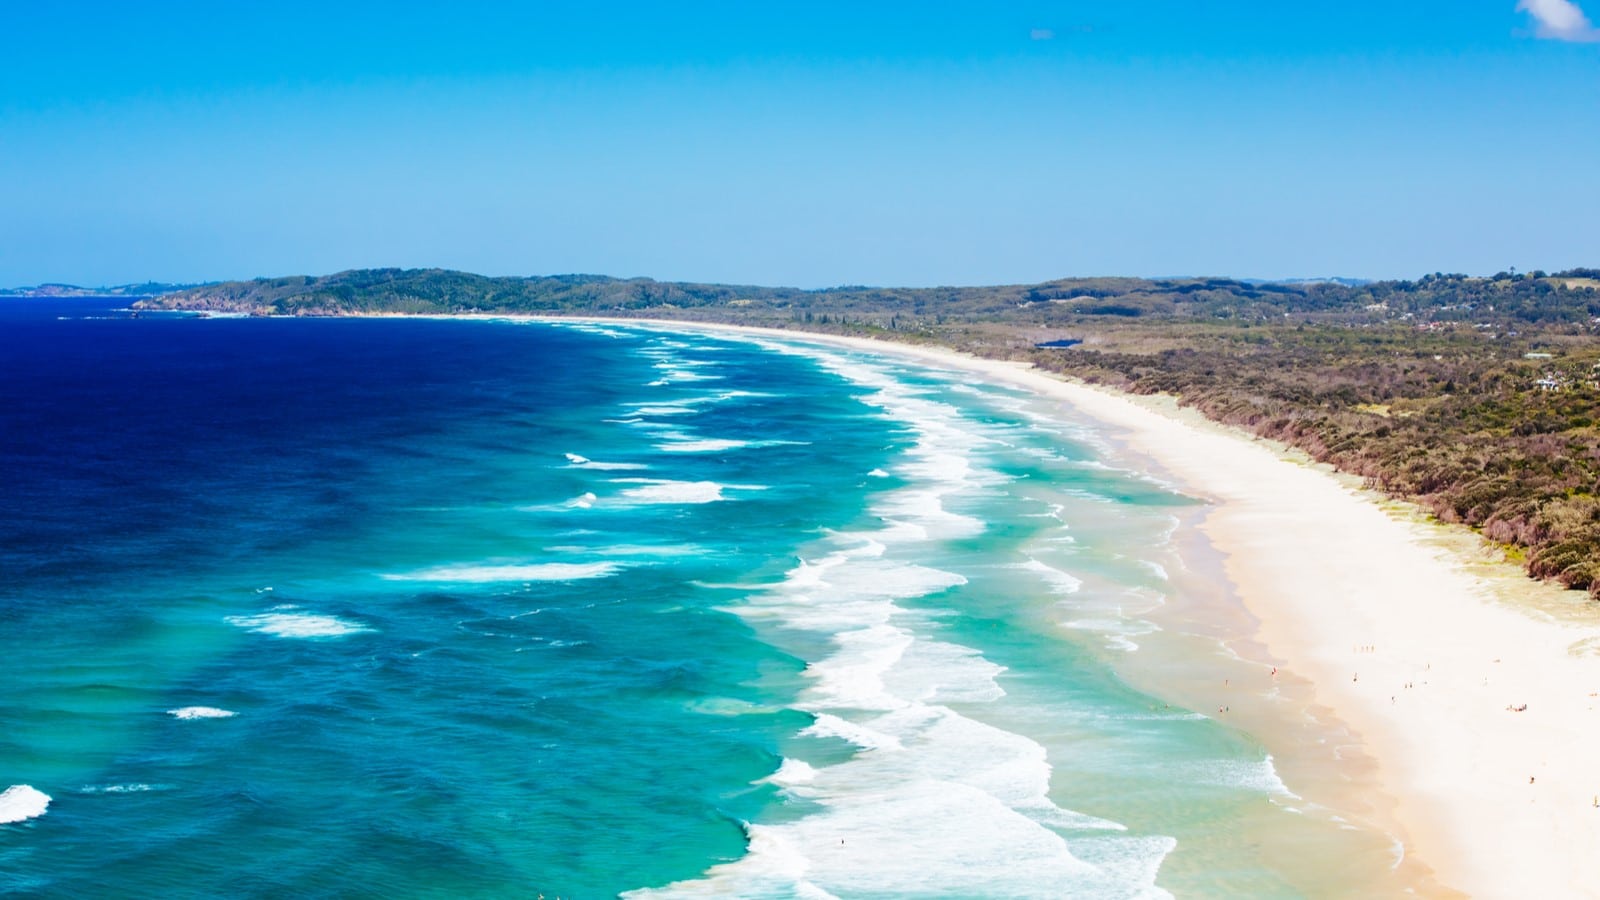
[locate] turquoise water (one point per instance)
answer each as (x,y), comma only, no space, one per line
(433,608)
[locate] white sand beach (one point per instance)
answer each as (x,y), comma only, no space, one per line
(1475,690)
(1475,693)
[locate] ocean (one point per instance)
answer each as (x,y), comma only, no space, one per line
(410,607)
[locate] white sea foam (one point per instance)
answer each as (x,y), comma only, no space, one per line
(513,572)
(664,550)
(584,500)
(22,802)
(689,405)
(664,409)
(672,374)
(1258,775)
(703,445)
(792,772)
(201,712)
(597,329)
(931,838)
(942,672)
(288,622)
(682,442)
(134,788)
(852,678)
(656,490)
(1117,632)
(932,802)
(1060,582)
(676,492)
(827,725)
(675,368)
(574,461)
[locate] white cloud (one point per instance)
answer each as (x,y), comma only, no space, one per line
(1559,20)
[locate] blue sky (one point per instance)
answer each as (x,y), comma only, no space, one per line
(805,144)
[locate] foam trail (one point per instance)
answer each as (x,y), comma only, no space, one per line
(22,802)
(123,788)
(664,409)
(676,492)
(1060,582)
(201,712)
(286,622)
(706,445)
(656,490)
(679,442)
(490,574)
(662,550)
(574,461)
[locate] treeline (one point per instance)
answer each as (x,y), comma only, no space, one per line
(1568,298)
(146,289)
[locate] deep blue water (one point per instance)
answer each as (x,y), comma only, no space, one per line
(163,471)
(444,608)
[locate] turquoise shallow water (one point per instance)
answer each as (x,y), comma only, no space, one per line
(431,608)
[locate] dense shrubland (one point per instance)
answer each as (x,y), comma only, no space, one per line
(1473,433)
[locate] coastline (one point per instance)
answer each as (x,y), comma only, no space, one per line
(1418,647)
(1359,598)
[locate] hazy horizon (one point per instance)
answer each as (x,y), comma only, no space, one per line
(825,287)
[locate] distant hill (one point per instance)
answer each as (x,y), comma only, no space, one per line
(1568,297)
(147,289)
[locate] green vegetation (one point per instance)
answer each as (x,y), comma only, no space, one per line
(147,289)
(1478,398)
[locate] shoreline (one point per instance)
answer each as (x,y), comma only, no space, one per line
(1426,671)
(1495,802)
